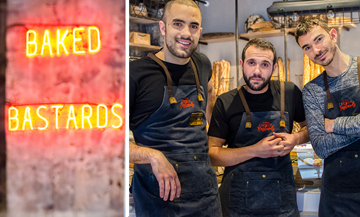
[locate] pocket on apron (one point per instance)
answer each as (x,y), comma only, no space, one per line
(348,177)
(263,191)
(196,178)
(263,194)
(256,192)
(145,180)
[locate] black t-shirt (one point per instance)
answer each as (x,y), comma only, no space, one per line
(147,81)
(228,109)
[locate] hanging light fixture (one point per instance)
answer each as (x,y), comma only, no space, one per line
(292,11)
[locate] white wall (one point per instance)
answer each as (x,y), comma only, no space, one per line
(219,16)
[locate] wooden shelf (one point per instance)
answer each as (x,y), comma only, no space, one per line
(267,34)
(142,20)
(217,39)
(144,47)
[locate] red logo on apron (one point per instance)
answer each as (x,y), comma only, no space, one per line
(186,103)
(346,103)
(265,126)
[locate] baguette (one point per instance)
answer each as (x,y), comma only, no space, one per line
(312,69)
(306,70)
(288,69)
(275,75)
(281,70)
(215,76)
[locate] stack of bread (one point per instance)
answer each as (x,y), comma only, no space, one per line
(340,20)
(220,76)
(310,70)
(262,26)
(279,73)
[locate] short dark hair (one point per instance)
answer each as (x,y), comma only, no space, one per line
(259,43)
(169,4)
(307,24)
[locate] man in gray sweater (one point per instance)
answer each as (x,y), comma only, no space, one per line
(331,103)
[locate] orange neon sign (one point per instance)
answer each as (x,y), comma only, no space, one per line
(63,41)
(64,116)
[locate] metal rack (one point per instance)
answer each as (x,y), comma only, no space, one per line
(339,14)
(150,9)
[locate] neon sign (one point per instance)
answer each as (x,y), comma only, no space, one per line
(64,116)
(63,41)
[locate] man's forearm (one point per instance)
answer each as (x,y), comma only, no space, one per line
(347,125)
(141,155)
(230,156)
(302,136)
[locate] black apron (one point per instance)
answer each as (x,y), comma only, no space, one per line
(340,190)
(259,187)
(178,130)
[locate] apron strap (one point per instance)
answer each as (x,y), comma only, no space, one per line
(328,94)
(282,104)
(246,106)
(169,81)
(168,78)
(200,98)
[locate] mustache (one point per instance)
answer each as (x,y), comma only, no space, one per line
(183,38)
(256,76)
(319,54)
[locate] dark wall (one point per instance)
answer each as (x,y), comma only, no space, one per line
(3,62)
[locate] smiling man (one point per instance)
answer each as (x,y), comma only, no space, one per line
(169,91)
(332,102)
(255,121)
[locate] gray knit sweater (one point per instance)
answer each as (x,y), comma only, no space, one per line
(346,129)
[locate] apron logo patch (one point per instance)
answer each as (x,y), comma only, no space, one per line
(346,103)
(186,103)
(196,119)
(265,126)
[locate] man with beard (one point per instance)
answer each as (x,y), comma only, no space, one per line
(169,91)
(331,103)
(255,121)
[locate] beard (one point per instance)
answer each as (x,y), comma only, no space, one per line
(331,51)
(171,44)
(252,86)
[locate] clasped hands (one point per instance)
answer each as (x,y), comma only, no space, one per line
(279,144)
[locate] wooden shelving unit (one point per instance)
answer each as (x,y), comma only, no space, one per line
(267,34)
(142,20)
(217,39)
(144,47)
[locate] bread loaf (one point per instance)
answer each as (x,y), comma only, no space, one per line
(251,20)
(288,70)
(312,69)
(223,78)
(281,69)
(265,29)
(306,70)
(215,76)
(339,20)
(262,24)
(275,75)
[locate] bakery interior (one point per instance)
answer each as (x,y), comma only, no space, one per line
(227,26)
